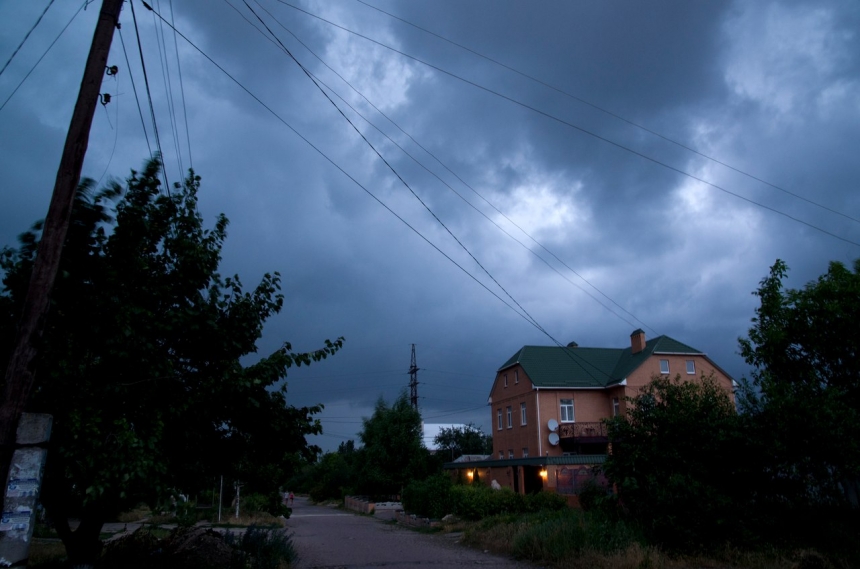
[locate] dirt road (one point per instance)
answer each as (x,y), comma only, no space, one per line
(330,538)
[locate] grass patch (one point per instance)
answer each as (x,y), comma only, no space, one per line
(139,513)
(574,539)
(47,554)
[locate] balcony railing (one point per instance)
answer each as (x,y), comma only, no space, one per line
(596,430)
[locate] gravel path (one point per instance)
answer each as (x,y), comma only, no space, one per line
(329,538)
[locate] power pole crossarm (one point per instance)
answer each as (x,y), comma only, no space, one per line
(20,372)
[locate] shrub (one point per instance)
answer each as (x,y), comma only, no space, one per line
(545,501)
(476,502)
(262,549)
(431,497)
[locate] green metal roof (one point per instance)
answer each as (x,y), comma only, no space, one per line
(564,367)
(530,461)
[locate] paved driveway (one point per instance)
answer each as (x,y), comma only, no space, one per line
(330,538)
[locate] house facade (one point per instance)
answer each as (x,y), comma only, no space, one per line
(547,404)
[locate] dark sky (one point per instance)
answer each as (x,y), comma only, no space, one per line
(605,165)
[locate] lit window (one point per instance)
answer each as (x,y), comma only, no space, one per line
(510,417)
(510,453)
(522,413)
(691,367)
(525,452)
(567,410)
(664,366)
(616,407)
(500,419)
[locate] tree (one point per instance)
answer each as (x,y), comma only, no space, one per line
(392,453)
(679,462)
(454,442)
(805,395)
(141,359)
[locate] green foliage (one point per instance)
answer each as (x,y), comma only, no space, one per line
(553,537)
(392,454)
(679,464)
(544,501)
(141,359)
(477,502)
(263,549)
(186,514)
(429,498)
(457,441)
(805,400)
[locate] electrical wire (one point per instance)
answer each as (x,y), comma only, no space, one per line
(136,98)
(33,68)
(149,96)
(418,162)
(578,128)
(27,35)
(449,170)
(612,114)
(399,177)
(182,90)
(160,41)
(571,354)
(341,169)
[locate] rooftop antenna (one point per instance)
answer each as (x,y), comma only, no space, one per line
(413,381)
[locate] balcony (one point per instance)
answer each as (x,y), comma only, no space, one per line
(595,432)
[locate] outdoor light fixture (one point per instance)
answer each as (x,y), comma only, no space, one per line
(470,474)
(543,472)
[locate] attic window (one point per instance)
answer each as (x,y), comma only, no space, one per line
(516,376)
(691,367)
(506,380)
(664,366)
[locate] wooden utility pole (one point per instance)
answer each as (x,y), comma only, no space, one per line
(20,372)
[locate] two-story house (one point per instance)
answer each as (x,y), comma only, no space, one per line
(547,404)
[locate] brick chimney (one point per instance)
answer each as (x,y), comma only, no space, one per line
(637,341)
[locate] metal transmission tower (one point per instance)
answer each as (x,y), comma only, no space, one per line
(413,381)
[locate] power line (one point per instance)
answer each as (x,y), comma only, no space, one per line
(149,96)
(572,355)
(614,115)
(577,128)
(340,168)
(399,177)
(33,68)
(452,172)
(27,35)
(182,90)
(136,98)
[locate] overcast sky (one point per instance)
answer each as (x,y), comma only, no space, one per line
(610,165)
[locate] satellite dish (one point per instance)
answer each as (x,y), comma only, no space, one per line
(553,425)
(553,439)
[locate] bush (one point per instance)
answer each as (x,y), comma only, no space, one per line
(431,497)
(262,549)
(476,502)
(545,501)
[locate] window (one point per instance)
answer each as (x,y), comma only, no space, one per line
(567,410)
(501,454)
(516,376)
(616,407)
(510,453)
(500,419)
(525,452)
(522,413)
(664,366)
(506,380)
(510,417)
(691,367)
